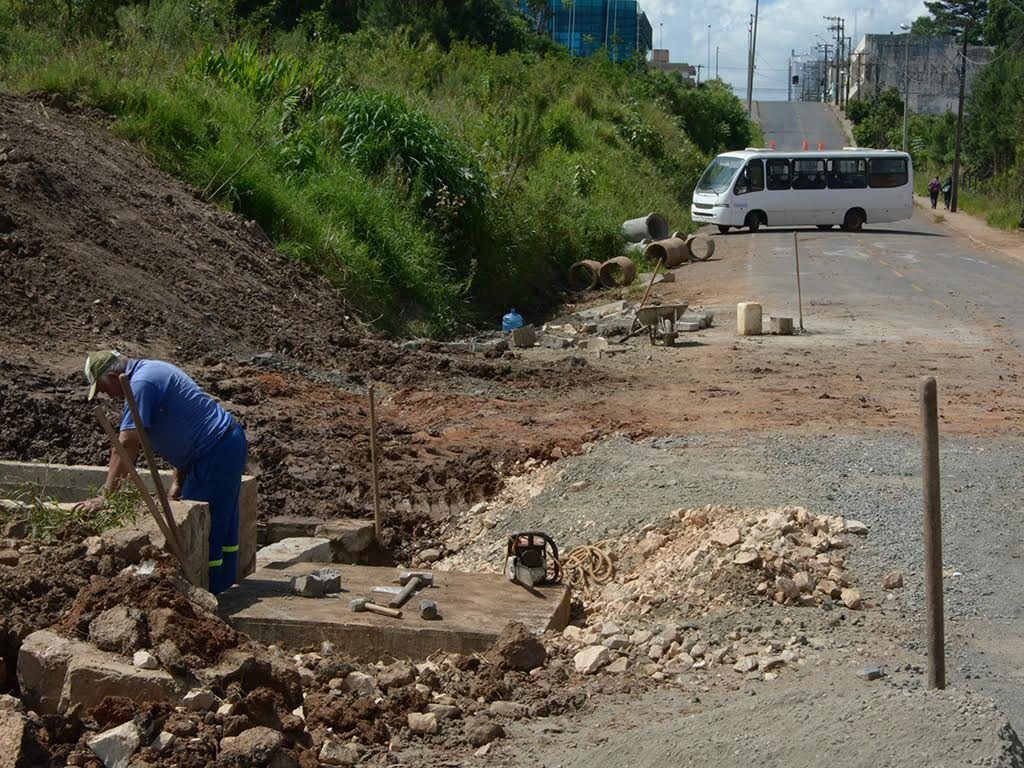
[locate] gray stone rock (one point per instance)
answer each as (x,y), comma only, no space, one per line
(422,722)
(145,660)
(119,629)
(360,683)
(256,745)
(480,732)
(307,586)
(397,675)
(115,747)
(340,753)
(428,610)
(511,709)
(200,700)
(746,664)
(591,659)
(445,711)
(870,672)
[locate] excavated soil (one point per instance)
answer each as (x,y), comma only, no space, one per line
(100,249)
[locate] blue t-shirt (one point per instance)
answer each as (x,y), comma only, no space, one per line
(181,420)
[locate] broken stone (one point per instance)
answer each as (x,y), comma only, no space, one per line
(855,526)
(747,557)
(430,555)
(517,649)
(651,543)
(422,722)
(360,683)
(893,580)
(870,672)
(145,660)
(397,675)
(788,588)
(163,742)
(115,747)
(200,700)
(428,610)
(590,660)
(616,642)
(254,745)
(555,342)
(746,664)
(511,709)
(525,336)
(445,711)
(118,629)
(727,537)
(94,674)
(851,599)
(307,586)
(618,666)
(330,578)
(335,753)
(479,732)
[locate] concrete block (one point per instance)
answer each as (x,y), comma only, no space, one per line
(307,586)
(305,549)
(94,674)
(605,310)
(193,521)
(12,739)
(555,342)
(748,318)
(524,337)
(116,746)
(781,326)
(352,541)
(42,666)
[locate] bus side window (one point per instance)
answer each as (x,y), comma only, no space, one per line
(847,173)
(887,172)
(778,174)
(751,179)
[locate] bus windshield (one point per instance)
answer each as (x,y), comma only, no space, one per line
(719,175)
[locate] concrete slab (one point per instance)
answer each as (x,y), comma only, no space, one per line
(475,607)
(300,549)
(69,483)
(352,539)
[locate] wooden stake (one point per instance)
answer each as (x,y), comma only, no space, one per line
(147,451)
(140,486)
(799,295)
(932,533)
(373,462)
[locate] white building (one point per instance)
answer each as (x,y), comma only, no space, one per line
(878,63)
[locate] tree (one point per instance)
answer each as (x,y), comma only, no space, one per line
(926,26)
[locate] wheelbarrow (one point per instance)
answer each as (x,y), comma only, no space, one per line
(660,321)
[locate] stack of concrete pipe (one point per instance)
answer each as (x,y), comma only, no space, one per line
(653,226)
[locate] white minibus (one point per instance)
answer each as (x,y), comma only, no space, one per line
(763,187)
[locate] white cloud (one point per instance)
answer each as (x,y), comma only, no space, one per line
(783,26)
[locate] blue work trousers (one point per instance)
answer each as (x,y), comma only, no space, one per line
(216,478)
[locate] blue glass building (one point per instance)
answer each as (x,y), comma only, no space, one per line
(586,26)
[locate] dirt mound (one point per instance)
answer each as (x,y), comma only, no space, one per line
(166,614)
(98,248)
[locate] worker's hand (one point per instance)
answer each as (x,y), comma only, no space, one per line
(91,506)
(174,492)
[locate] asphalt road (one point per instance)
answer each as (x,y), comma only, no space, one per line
(789,123)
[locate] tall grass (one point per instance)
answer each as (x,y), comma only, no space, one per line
(434,187)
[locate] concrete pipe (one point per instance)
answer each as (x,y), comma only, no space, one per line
(672,251)
(583,275)
(620,271)
(701,248)
(637,248)
(653,225)
(680,235)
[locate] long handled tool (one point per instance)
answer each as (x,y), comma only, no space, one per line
(161,492)
(133,475)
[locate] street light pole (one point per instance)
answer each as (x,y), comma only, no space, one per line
(709,50)
(906,86)
(959,122)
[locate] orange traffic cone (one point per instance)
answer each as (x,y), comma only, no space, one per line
(821,146)
(771,144)
(807,145)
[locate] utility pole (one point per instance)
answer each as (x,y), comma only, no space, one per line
(709,50)
(699,68)
(789,80)
(716,62)
(750,35)
(753,54)
(959,120)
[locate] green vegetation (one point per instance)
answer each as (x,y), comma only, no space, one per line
(46,518)
(437,160)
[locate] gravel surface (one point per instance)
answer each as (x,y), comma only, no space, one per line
(620,485)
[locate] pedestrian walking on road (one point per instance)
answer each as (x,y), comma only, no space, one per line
(934,186)
(947,191)
(192,432)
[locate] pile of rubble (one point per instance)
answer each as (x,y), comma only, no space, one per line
(716,556)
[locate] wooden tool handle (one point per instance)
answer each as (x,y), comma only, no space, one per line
(161,492)
(133,476)
(383,610)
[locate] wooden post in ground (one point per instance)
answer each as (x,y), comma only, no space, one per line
(373,462)
(932,533)
(799,295)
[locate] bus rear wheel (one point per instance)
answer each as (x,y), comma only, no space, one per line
(723,228)
(853,220)
(753,221)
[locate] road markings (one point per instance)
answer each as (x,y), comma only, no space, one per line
(917,287)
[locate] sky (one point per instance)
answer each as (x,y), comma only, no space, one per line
(783,26)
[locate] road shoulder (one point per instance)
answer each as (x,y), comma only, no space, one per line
(976,229)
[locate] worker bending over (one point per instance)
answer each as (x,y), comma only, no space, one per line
(188,428)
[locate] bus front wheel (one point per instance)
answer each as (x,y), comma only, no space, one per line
(723,228)
(854,220)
